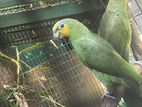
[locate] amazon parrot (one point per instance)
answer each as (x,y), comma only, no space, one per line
(115,28)
(97,54)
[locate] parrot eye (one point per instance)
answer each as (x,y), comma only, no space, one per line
(62,25)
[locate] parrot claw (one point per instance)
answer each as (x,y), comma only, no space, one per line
(108,96)
(108,100)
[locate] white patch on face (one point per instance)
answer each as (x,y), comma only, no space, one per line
(56,35)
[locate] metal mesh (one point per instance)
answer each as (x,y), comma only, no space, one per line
(40,31)
(31,32)
(35,5)
(25,33)
(66,79)
(69,82)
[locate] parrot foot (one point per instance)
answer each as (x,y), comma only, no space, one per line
(108,95)
(108,100)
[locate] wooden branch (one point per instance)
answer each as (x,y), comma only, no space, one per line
(136,44)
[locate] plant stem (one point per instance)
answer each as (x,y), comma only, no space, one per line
(9,58)
(53,101)
(18,69)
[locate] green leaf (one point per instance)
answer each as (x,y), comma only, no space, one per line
(9,58)
(40,93)
(30,48)
(44,93)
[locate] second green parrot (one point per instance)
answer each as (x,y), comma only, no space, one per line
(115,28)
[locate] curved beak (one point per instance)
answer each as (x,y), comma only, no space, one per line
(57,35)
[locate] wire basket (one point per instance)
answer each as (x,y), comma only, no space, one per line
(65,78)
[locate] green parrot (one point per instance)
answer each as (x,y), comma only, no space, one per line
(115,28)
(97,54)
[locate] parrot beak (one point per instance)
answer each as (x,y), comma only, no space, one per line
(57,35)
(60,32)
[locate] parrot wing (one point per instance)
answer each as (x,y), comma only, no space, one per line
(95,55)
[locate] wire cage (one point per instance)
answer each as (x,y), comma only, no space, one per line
(49,76)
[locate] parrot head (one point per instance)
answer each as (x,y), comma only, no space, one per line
(64,28)
(60,29)
(69,28)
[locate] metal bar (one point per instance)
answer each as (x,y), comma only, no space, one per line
(46,13)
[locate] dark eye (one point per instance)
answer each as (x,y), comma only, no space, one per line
(62,25)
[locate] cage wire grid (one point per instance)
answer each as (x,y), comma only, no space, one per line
(67,80)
